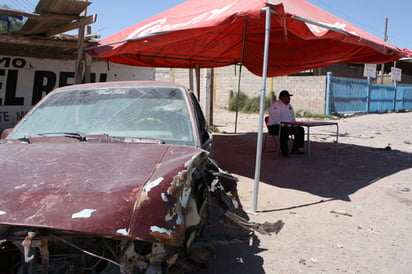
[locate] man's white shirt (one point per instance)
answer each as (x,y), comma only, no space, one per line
(279,112)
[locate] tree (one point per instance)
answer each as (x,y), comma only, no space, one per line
(10,23)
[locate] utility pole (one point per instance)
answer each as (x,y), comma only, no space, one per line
(385,38)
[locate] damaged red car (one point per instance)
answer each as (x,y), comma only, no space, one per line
(115,177)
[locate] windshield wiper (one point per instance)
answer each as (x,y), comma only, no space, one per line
(104,137)
(138,140)
(78,135)
(148,140)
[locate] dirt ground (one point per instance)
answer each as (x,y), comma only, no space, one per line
(350,214)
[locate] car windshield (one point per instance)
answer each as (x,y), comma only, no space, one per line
(137,112)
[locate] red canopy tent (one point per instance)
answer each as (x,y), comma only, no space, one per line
(288,37)
(224,32)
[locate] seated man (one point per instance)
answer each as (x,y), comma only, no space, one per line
(282,111)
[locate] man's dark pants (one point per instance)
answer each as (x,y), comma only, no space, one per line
(297,131)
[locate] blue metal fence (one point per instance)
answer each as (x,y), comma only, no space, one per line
(345,95)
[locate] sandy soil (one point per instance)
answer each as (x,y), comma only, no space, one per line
(369,183)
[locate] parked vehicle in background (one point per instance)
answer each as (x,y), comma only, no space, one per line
(115,178)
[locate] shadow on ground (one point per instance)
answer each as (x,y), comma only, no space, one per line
(324,175)
(236,258)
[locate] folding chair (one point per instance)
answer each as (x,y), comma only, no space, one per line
(275,137)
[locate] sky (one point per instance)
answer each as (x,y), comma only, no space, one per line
(370,15)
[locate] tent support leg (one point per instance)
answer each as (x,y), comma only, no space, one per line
(237,97)
(261,110)
(240,72)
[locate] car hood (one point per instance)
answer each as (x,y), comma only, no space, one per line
(115,189)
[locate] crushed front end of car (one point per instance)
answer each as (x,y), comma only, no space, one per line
(173,223)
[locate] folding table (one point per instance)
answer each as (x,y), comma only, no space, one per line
(310,124)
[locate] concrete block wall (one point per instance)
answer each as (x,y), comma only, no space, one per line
(309,91)
(227,83)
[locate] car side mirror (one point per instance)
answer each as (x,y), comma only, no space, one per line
(5,133)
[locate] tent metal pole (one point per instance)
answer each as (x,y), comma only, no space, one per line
(240,72)
(197,72)
(191,86)
(238,96)
(262,109)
